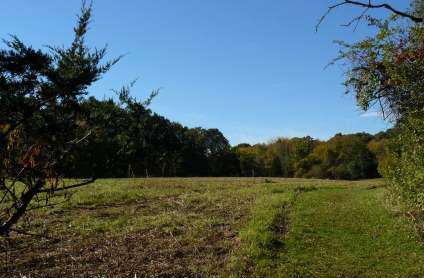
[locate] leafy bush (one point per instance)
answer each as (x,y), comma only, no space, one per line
(405,170)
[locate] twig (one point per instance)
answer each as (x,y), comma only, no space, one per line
(68,187)
(368,6)
(29,234)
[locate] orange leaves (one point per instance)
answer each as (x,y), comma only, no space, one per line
(29,159)
(392,82)
(409,54)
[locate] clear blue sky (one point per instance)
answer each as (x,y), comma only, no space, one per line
(252,68)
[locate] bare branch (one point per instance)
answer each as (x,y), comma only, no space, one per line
(357,20)
(68,187)
(327,13)
(79,140)
(387,7)
(368,5)
(29,234)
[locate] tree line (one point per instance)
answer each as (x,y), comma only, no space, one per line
(129,140)
(349,156)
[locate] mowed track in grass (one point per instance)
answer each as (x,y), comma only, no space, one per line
(219,227)
(349,232)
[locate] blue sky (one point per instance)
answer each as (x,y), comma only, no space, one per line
(252,68)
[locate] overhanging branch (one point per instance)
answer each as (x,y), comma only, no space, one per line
(369,5)
(386,6)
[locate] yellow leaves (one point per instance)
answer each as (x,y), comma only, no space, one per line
(4,128)
(5,214)
(7,163)
(13,140)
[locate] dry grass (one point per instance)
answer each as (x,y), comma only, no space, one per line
(159,227)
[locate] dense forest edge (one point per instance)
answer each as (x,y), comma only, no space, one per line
(132,141)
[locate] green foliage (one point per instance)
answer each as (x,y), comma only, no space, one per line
(130,140)
(276,170)
(341,157)
(406,169)
(387,70)
(418,8)
(351,158)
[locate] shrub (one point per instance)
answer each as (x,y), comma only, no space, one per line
(405,171)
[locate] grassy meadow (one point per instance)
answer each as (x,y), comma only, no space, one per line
(218,227)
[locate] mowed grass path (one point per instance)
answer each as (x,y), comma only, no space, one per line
(349,233)
(219,227)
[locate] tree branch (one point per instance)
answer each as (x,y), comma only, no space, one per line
(356,19)
(68,187)
(387,7)
(25,200)
(369,5)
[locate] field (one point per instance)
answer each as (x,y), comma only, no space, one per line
(218,227)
